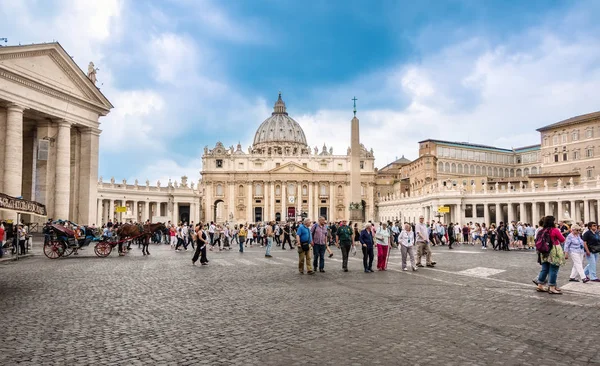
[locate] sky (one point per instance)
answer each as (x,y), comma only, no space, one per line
(184,74)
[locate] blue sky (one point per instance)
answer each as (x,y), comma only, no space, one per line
(184,74)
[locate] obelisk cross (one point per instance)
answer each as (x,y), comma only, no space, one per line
(354,99)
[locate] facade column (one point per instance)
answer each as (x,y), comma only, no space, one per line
(311,201)
(62,187)
(560,211)
(249,210)
(146,215)
(535,216)
(231,203)
(283,201)
(99,208)
(498,214)
(111,210)
(135,210)
(298,199)
(586,211)
(13,151)
(572,211)
(546,208)
(332,215)
(175,219)
(272,199)
(3,128)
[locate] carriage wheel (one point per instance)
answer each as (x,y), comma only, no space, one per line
(103,249)
(54,249)
(68,251)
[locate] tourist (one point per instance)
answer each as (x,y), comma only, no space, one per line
(492,233)
(235,235)
(269,235)
(286,236)
(344,242)
(552,260)
(304,240)
(366,240)
(422,243)
(173,236)
(382,238)
(211,233)
(522,241)
(465,232)
(406,239)
(592,248)
(483,236)
(277,234)
(395,232)
(530,235)
(319,242)
(242,237)
(201,242)
(356,238)
(575,249)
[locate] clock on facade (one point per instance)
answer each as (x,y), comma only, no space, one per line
(292,199)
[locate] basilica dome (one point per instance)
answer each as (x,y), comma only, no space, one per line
(279,129)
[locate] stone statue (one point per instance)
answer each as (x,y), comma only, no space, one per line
(316,150)
(496,187)
(192,185)
(349,151)
(571,182)
(545,184)
(100,179)
(567,215)
(136,182)
(231,150)
(124,182)
(170,184)
(559,183)
(324,151)
(147,183)
(112,180)
(205,150)
(331,151)
(249,149)
(158,183)
(92,72)
(371,151)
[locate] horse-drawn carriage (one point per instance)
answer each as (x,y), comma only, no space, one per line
(61,241)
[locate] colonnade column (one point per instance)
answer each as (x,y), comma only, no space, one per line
(100,209)
(2,145)
(249,204)
(546,208)
(535,216)
(332,216)
(498,213)
(111,210)
(147,211)
(522,212)
(230,204)
(572,210)
(586,211)
(560,211)
(311,200)
(175,212)
(272,199)
(13,153)
(88,175)
(298,199)
(135,210)
(486,214)
(63,171)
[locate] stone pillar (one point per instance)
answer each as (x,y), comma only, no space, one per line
(298,199)
(272,199)
(111,211)
(546,208)
(283,201)
(560,211)
(311,201)
(175,218)
(586,211)
(333,213)
(535,216)
(135,210)
(511,214)
(523,212)
(486,214)
(2,145)
(498,214)
(147,211)
(100,208)
(231,201)
(13,152)
(62,188)
(249,209)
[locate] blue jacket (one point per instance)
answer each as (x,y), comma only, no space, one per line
(304,234)
(366,238)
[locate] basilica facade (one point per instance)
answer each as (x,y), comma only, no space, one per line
(281,178)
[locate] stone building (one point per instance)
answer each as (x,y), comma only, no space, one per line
(489,184)
(49,130)
(280,177)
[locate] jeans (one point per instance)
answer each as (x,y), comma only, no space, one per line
(590,269)
(367,258)
(483,240)
(551,269)
(269,245)
(319,256)
(345,251)
(241,241)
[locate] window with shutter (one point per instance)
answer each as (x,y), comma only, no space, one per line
(43,149)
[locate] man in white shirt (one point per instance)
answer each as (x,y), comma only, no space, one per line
(185,233)
(422,239)
(211,233)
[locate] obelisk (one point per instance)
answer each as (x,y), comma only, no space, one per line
(356,209)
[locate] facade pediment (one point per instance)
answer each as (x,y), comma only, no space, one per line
(48,68)
(291,168)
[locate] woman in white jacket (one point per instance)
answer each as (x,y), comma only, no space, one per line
(407,242)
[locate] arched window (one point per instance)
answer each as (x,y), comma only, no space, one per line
(519,172)
(258,190)
(472,169)
(278,190)
(495,171)
(447,167)
(241,190)
(340,190)
(453,167)
(219,190)
(506,172)
(304,190)
(323,190)
(534,170)
(490,171)
(478,170)
(460,168)
(525,172)
(512,172)
(440,166)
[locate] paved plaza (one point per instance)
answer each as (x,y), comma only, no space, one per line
(475,308)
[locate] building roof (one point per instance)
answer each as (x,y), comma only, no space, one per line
(468,145)
(401,161)
(571,121)
(528,148)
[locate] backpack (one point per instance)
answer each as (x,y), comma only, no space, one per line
(543,242)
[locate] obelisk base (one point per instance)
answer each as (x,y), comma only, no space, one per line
(356,215)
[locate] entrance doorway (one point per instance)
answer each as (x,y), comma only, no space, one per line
(291,213)
(184,214)
(219,212)
(277,216)
(258,214)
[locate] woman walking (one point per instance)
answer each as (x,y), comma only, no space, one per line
(553,259)
(382,237)
(201,241)
(492,234)
(242,237)
(574,248)
(407,242)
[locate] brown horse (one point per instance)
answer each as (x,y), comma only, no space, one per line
(143,232)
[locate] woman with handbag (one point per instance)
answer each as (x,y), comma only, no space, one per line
(551,260)
(574,248)
(201,239)
(382,238)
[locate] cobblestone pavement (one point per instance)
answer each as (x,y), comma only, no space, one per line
(475,308)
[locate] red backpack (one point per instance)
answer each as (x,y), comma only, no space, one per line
(543,243)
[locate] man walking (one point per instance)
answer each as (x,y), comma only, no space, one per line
(319,243)
(304,240)
(286,236)
(269,235)
(366,240)
(344,242)
(422,243)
